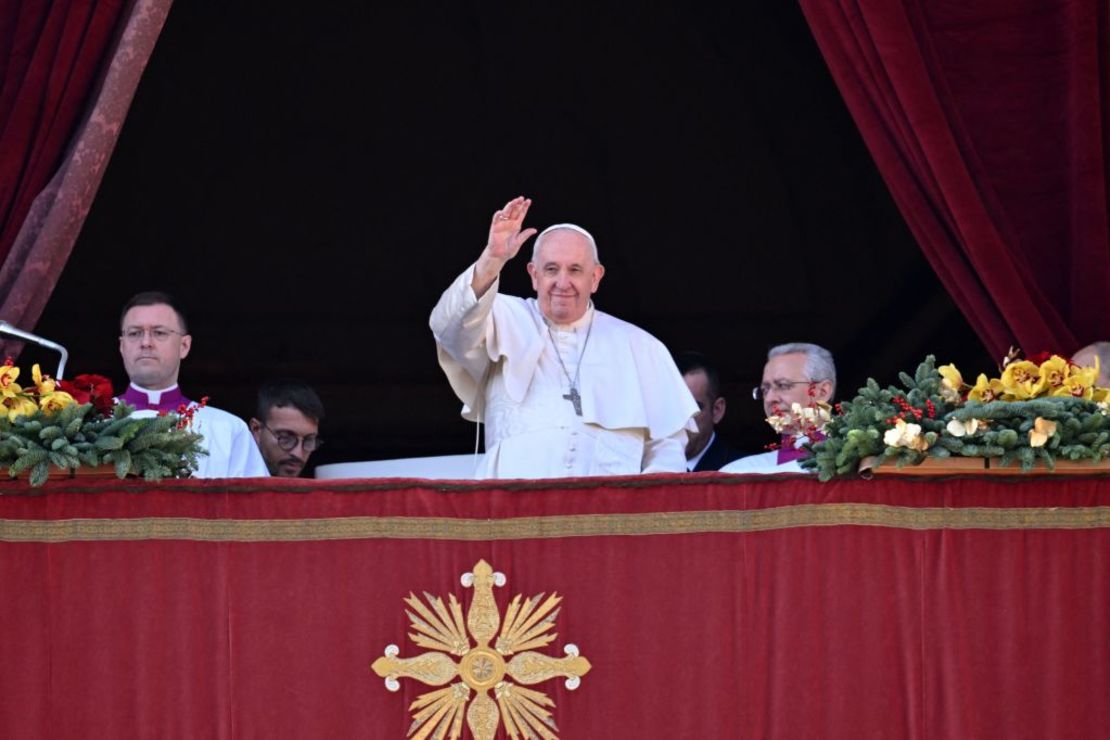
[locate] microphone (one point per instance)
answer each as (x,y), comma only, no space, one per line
(26,336)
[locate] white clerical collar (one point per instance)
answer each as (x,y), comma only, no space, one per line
(583,320)
(693,461)
(155,397)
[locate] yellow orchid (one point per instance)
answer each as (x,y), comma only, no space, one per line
(8,387)
(19,406)
(905,435)
(985,390)
(1041,431)
(56,401)
(44,384)
(959,428)
(1054,372)
(1021,380)
(951,383)
(1079,384)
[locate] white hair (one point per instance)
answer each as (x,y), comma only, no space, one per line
(1101,350)
(569,227)
(819,361)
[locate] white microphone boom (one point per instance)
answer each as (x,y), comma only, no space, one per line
(26,336)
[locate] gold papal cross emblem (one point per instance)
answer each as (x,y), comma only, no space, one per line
(480,668)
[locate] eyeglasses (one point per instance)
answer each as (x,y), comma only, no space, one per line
(781,386)
(288,440)
(160,334)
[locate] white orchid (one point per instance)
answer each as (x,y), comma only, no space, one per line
(801,419)
(1042,430)
(905,435)
(967,428)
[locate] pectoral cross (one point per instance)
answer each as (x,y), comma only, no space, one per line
(575,399)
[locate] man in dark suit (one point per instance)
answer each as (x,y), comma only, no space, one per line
(705,450)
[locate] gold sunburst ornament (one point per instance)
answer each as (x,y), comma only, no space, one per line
(523,712)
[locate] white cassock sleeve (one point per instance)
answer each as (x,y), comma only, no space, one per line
(666,455)
(232,452)
(461,324)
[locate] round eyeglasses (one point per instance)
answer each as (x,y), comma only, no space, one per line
(287,440)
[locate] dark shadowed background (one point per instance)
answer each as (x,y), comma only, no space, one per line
(309,180)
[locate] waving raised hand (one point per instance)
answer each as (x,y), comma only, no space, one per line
(505,239)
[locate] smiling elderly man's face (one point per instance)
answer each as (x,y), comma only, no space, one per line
(564,275)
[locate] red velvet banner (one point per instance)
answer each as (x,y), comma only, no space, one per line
(706,605)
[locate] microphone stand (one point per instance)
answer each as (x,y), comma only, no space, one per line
(9,330)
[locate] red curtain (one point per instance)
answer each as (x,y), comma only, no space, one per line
(708,606)
(990,122)
(69,71)
(50,59)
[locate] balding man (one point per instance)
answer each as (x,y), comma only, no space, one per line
(564,389)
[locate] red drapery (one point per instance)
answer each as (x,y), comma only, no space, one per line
(51,57)
(69,71)
(708,606)
(989,122)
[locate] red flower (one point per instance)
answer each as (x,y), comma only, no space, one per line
(89,388)
(80,395)
(1040,357)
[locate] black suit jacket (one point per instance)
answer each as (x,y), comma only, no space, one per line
(719,454)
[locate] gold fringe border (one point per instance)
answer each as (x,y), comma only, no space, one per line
(548,527)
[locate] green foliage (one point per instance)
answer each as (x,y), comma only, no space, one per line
(856,432)
(76,436)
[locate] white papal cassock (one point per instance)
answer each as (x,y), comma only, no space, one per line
(499,355)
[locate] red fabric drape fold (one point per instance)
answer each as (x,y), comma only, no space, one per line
(70,70)
(988,121)
(52,57)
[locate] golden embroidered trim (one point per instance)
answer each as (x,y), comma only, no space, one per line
(549,527)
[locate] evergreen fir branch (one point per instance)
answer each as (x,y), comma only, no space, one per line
(109,443)
(26,461)
(63,461)
(39,473)
(122,460)
(28,426)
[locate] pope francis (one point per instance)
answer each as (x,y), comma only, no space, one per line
(563,388)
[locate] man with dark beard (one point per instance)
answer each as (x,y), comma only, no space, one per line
(287,426)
